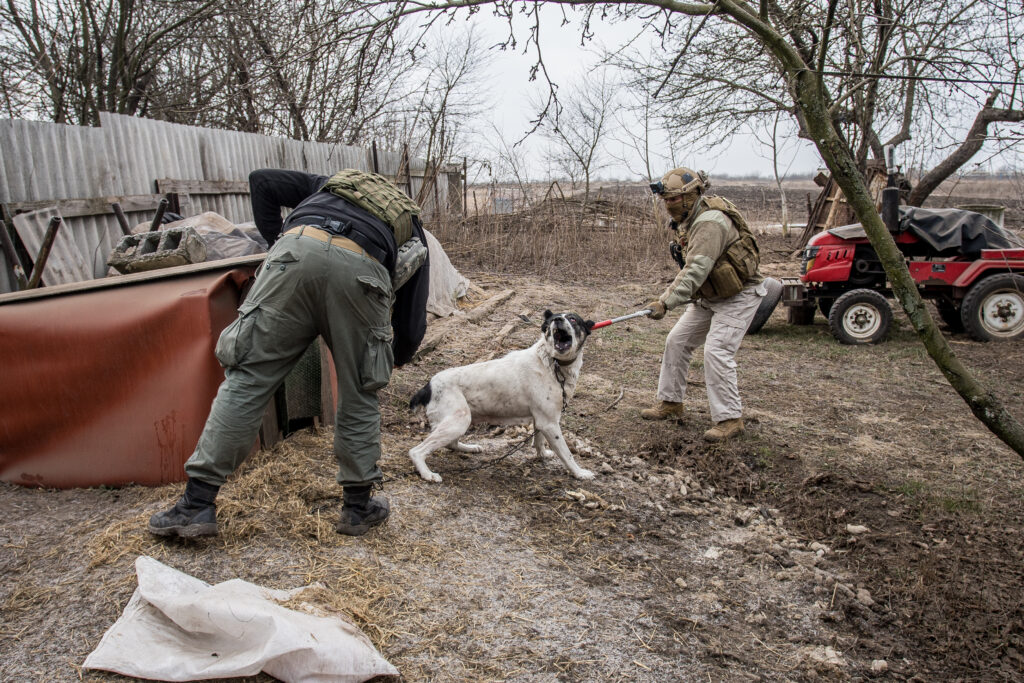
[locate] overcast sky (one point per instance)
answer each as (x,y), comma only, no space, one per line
(568,62)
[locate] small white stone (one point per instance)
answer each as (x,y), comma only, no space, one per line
(681,583)
(879,665)
(856,529)
(864,597)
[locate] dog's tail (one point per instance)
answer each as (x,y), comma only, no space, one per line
(421,398)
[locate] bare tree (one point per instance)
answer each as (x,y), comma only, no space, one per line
(579,130)
(769,138)
(263,66)
(86,57)
(438,114)
(637,125)
(896,71)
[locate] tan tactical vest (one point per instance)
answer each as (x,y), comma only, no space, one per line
(375,194)
(740,260)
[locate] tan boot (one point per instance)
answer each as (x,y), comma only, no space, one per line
(665,410)
(726,429)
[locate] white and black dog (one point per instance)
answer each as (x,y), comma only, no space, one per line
(529,385)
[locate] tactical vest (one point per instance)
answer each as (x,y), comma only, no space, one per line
(374,193)
(740,260)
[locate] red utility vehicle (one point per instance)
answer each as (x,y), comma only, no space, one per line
(967,265)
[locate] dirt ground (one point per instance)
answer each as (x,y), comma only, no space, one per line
(865,527)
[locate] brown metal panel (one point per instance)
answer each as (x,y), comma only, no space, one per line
(111,385)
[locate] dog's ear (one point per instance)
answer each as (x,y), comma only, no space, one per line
(547,318)
(547,315)
(589,324)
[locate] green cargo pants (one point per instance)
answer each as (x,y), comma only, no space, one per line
(305,287)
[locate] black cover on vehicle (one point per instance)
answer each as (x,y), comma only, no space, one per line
(946,231)
(956,230)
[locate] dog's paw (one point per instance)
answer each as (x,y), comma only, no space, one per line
(583,474)
(548,453)
(471,448)
(431,476)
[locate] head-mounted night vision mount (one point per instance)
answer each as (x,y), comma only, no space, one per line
(680,181)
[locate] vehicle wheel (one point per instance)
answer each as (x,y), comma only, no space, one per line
(950,314)
(993,309)
(825,305)
(861,316)
(768,303)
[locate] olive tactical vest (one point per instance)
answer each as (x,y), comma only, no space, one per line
(374,193)
(740,260)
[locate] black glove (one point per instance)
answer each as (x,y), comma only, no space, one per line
(677,253)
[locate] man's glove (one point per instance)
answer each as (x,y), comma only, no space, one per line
(657,308)
(677,253)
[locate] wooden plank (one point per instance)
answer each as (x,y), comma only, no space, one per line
(119,280)
(94,206)
(168,185)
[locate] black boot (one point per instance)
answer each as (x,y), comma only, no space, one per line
(195,513)
(360,512)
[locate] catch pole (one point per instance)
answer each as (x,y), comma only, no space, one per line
(606,323)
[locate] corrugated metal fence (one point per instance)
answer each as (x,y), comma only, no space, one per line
(129,160)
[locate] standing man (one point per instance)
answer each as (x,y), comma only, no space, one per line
(331,273)
(718,257)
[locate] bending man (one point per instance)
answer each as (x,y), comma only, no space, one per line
(329,274)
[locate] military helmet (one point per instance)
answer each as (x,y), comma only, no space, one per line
(680,181)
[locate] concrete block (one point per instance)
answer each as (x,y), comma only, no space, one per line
(160,249)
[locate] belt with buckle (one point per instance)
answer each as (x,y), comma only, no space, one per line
(333,240)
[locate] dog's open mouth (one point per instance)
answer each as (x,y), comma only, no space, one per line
(563,340)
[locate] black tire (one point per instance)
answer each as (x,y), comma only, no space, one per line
(993,309)
(767,306)
(825,305)
(949,313)
(861,316)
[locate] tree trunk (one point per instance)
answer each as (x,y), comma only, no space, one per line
(962,154)
(985,406)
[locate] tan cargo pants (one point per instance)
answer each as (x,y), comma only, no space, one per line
(720,327)
(305,288)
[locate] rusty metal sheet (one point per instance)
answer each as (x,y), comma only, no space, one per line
(111,384)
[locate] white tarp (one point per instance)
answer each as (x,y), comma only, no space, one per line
(178,628)
(447,285)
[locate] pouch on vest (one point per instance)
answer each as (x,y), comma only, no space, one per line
(723,281)
(411,256)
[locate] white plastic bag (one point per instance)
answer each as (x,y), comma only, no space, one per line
(178,628)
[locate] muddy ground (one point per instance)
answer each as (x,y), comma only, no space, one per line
(680,562)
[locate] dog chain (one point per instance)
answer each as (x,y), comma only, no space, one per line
(560,376)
